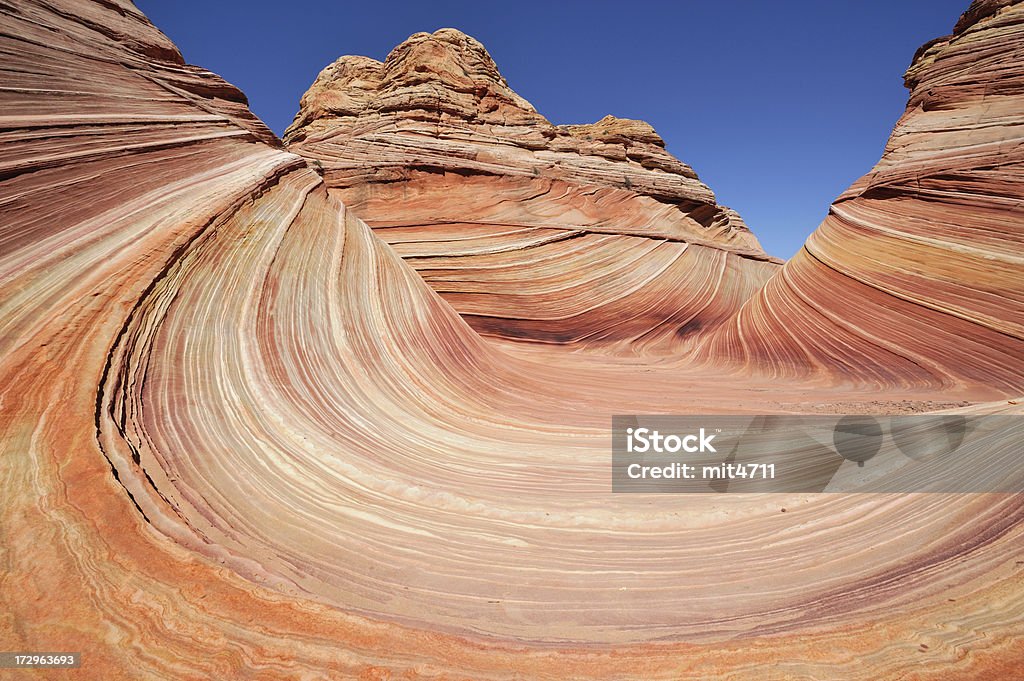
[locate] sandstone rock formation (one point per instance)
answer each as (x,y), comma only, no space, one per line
(243,438)
(917,274)
(574,233)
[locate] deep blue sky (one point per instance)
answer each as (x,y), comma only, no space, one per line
(778,106)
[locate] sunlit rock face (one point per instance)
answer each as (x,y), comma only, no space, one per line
(584,234)
(917,274)
(242,437)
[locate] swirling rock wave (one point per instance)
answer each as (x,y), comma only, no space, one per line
(244,438)
(573,234)
(915,275)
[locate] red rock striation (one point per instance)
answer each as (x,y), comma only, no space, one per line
(243,439)
(568,234)
(917,274)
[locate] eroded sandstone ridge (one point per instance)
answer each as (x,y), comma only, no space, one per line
(242,438)
(917,274)
(573,233)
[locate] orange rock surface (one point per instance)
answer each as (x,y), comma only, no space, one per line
(916,274)
(243,437)
(574,234)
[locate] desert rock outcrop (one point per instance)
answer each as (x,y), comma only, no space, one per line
(243,438)
(917,274)
(589,234)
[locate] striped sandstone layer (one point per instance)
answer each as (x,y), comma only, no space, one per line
(574,234)
(243,438)
(917,273)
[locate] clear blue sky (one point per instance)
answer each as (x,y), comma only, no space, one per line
(778,106)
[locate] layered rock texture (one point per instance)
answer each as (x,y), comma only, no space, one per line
(242,437)
(582,234)
(917,274)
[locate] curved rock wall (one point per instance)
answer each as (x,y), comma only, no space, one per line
(917,273)
(591,235)
(243,438)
